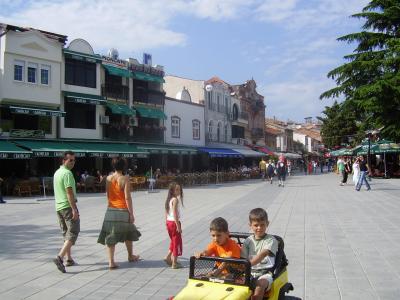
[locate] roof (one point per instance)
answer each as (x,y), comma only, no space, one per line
(311,133)
(51,35)
(215,79)
(273,131)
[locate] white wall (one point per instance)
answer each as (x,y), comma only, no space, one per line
(31,47)
(187,113)
(301,138)
(173,85)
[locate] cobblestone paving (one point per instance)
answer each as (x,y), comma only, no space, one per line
(341,244)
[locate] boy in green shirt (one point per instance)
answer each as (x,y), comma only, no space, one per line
(67,211)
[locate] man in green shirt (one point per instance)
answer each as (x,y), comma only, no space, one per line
(67,211)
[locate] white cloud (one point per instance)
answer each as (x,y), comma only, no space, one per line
(314,14)
(218,10)
(294,98)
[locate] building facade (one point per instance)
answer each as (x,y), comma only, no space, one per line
(252,103)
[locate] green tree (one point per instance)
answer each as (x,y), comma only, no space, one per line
(339,125)
(370,79)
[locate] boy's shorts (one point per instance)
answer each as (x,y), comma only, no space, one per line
(69,227)
(267,276)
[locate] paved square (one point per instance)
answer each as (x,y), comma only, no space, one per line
(341,244)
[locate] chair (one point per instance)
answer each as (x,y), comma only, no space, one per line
(89,184)
(34,183)
(22,187)
(101,186)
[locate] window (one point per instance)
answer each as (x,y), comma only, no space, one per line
(226,133)
(219,132)
(32,72)
(175,127)
(209,94)
(19,67)
(80,115)
(45,74)
(196,129)
(235,112)
(80,73)
(210,130)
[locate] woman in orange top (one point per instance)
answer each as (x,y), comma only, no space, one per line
(118,224)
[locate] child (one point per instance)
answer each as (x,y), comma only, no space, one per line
(174,227)
(221,245)
(260,249)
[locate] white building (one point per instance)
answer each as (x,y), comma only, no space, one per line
(30,64)
(185,120)
(81,92)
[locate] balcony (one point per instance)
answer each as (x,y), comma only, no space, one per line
(148,134)
(114,91)
(149,97)
(146,69)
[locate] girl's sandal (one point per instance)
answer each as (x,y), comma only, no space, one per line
(168,262)
(133,258)
(176,265)
(113,267)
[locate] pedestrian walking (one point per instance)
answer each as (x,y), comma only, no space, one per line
(263,168)
(341,170)
(270,171)
(347,169)
(66,208)
(363,173)
(289,167)
(118,225)
(356,171)
(281,172)
(174,226)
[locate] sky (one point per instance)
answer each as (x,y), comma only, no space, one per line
(286,46)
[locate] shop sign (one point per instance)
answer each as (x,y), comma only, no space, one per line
(116,62)
(21,155)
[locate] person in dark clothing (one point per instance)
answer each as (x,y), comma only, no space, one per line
(1,195)
(281,172)
(347,170)
(363,173)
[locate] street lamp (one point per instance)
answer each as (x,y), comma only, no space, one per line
(370,133)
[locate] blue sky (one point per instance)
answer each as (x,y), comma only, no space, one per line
(287,46)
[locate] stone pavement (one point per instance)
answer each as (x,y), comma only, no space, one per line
(341,244)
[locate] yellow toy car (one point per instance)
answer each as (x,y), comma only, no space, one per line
(235,282)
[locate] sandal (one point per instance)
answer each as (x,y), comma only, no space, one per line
(176,266)
(168,262)
(70,262)
(133,258)
(60,264)
(113,267)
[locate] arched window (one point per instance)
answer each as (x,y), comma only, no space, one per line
(196,129)
(210,130)
(235,112)
(219,132)
(175,127)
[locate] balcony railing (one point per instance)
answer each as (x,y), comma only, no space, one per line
(149,97)
(147,134)
(147,69)
(115,91)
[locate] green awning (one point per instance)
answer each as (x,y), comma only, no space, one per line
(9,150)
(81,56)
(44,112)
(147,112)
(84,98)
(168,149)
(147,77)
(50,148)
(109,149)
(118,71)
(121,109)
(81,149)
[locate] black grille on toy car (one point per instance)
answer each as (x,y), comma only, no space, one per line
(221,270)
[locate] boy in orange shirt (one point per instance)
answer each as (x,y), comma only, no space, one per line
(221,245)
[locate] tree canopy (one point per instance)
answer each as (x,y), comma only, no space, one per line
(370,79)
(339,126)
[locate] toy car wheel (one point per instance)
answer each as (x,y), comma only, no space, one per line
(284,290)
